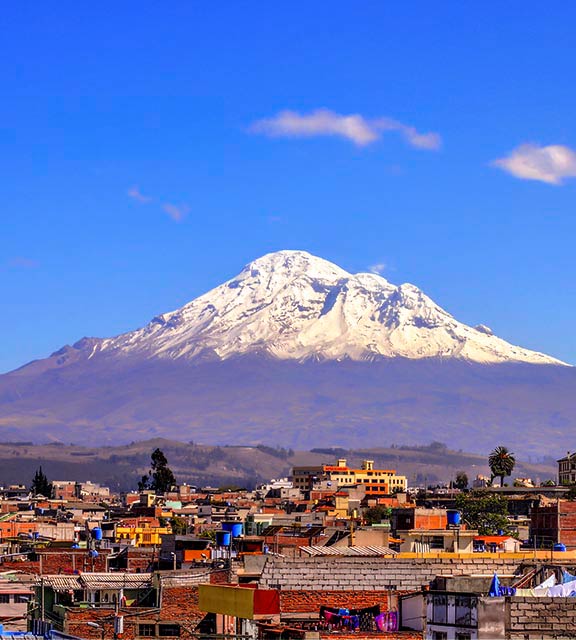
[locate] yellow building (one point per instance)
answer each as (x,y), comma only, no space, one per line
(376,481)
(141,536)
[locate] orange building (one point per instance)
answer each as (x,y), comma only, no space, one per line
(376,481)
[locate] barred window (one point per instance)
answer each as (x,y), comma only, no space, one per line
(147,630)
(169,630)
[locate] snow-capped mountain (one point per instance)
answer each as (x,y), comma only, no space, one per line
(297,352)
(292,305)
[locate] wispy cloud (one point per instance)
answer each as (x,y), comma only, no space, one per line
(431,141)
(176,211)
(136,194)
(354,127)
(551,164)
(21,262)
(377,268)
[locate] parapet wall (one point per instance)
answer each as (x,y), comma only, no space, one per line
(372,573)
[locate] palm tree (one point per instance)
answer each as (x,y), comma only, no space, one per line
(501,462)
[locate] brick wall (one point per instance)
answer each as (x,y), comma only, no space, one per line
(541,618)
(76,620)
(300,601)
(568,523)
(59,561)
(546,520)
(371,574)
(179,605)
(64,561)
(396,635)
(13,528)
(220,576)
(140,560)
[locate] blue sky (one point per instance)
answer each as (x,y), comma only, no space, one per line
(146,155)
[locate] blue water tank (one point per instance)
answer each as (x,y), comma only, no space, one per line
(559,546)
(453,516)
(93,553)
(234,527)
(223,538)
(97,533)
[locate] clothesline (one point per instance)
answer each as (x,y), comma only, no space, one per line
(366,619)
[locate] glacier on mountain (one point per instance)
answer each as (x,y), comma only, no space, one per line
(293,305)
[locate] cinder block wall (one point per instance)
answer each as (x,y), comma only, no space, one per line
(541,618)
(372,574)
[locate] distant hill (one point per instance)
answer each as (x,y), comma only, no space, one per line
(121,467)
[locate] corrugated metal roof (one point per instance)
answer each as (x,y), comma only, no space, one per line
(116,580)
(61,583)
(348,551)
(93,581)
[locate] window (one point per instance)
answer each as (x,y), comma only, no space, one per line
(19,597)
(439,635)
(4,598)
(464,610)
(170,630)
(437,542)
(463,635)
(440,609)
(147,630)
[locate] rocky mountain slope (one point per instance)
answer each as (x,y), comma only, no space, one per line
(292,305)
(297,352)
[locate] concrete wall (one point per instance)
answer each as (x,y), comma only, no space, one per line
(376,573)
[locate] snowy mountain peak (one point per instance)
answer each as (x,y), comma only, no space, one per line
(293,305)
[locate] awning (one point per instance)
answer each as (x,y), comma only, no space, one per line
(241,602)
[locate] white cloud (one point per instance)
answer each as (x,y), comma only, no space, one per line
(136,194)
(176,211)
(551,164)
(359,130)
(377,268)
(431,141)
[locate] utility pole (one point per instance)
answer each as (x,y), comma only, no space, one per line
(42,600)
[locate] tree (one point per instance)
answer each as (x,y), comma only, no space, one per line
(461,481)
(501,463)
(160,477)
(375,515)
(40,484)
(179,526)
(484,511)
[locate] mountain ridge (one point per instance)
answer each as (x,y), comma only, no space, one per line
(293,305)
(283,358)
